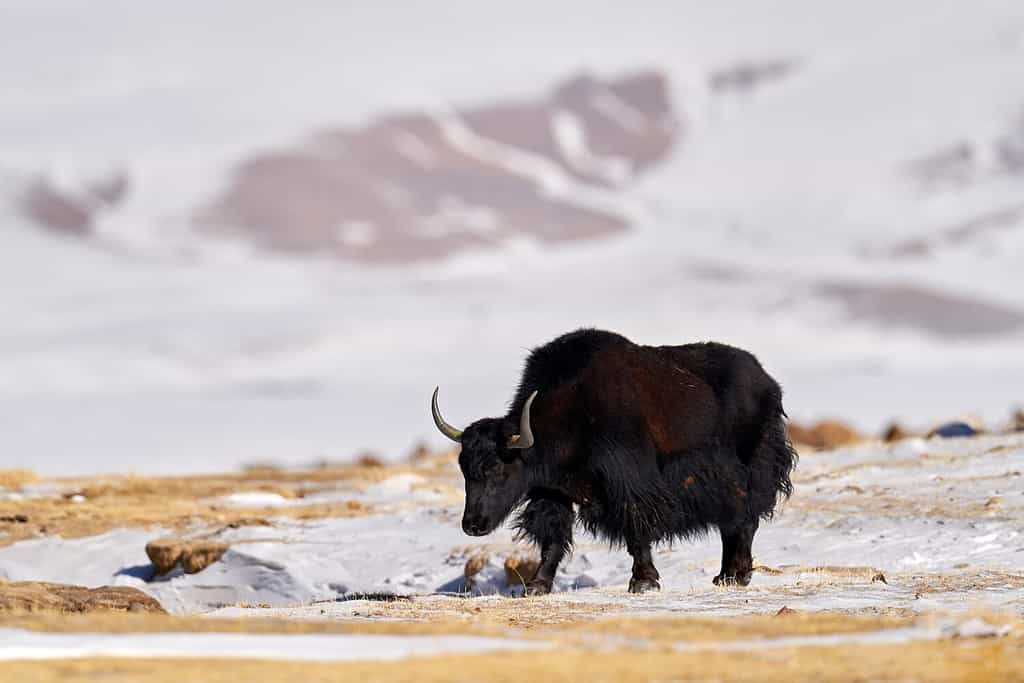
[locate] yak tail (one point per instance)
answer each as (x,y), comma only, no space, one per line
(770,466)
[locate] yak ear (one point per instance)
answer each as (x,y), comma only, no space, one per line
(506,436)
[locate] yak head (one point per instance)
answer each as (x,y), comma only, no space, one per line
(492,464)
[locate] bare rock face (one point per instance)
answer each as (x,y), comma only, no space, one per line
(67,212)
(52,209)
(194,556)
(55,597)
(415,187)
(934,312)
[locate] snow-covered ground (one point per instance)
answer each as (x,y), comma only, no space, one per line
(307,647)
(854,218)
(920,525)
(21,645)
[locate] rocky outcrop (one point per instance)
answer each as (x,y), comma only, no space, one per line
(416,186)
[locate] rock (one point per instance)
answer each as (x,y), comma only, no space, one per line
(31,596)
(199,556)
(421,451)
(194,556)
(520,568)
(584,581)
(824,434)
(785,612)
(953,430)
(369,459)
(165,553)
(896,432)
(475,564)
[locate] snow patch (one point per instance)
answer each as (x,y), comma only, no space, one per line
(20,644)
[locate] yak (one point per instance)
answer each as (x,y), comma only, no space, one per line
(639,444)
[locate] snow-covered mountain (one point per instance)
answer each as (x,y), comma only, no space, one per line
(233,233)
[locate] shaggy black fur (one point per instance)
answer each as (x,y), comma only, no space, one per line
(649,444)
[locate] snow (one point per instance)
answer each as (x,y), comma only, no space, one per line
(254,499)
(18,644)
(157,351)
(93,561)
(938,519)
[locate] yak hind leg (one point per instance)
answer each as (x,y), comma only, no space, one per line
(645,574)
(737,560)
(547,521)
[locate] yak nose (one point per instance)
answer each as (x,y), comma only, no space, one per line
(474,527)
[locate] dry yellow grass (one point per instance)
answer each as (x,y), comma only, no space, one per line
(543,619)
(10,479)
(938,661)
(585,646)
(68,519)
(55,599)
(106,622)
(94,505)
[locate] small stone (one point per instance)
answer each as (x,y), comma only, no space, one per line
(475,564)
(520,568)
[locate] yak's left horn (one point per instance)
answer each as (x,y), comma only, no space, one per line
(445,428)
(524,439)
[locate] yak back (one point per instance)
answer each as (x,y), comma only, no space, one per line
(746,396)
(562,361)
(680,397)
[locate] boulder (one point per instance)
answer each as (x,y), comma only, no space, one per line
(165,553)
(198,556)
(520,568)
(194,556)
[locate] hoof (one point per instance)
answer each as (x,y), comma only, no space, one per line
(643,585)
(732,579)
(537,588)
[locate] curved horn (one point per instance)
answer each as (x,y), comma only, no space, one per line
(524,439)
(445,428)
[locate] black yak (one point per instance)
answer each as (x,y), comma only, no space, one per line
(650,443)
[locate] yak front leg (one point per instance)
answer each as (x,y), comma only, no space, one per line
(547,521)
